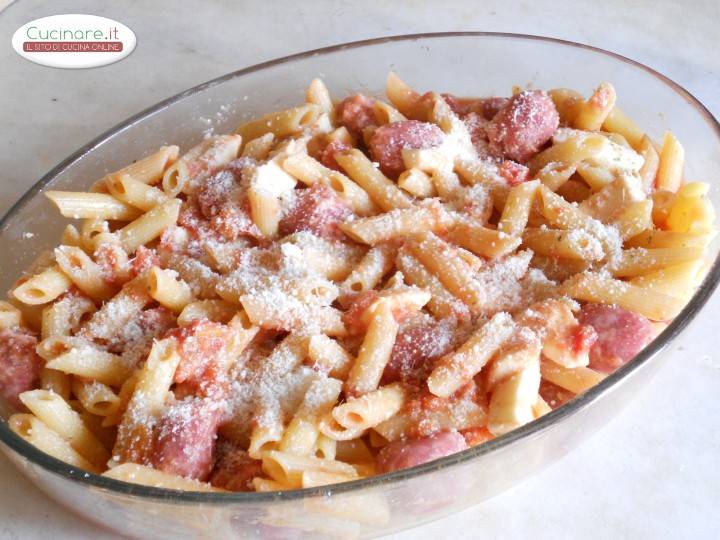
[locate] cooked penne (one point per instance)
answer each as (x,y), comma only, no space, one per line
(576,380)
(97,398)
(147,476)
(35,432)
(10,316)
(459,367)
(309,171)
(148,170)
(370,409)
(635,220)
(282,123)
(402,96)
(84,272)
(489,243)
(169,291)
(595,110)
(213,310)
(519,202)
(77,356)
(591,287)
(575,244)
(318,94)
(638,261)
(386,114)
(196,163)
(79,205)
(691,211)
(301,434)
(288,469)
(134,192)
(43,287)
(397,223)
(134,439)
(672,163)
(64,317)
(55,413)
(651,164)
(618,122)
(447,265)
(260,147)
(374,352)
(377,262)
(417,183)
(677,280)
(442,303)
(382,190)
(149,226)
(656,238)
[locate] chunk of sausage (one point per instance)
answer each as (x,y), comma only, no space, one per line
(621,335)
(356,113)
(523,125)
(327,157)
(317,210)
(492,105)
(487,107)
(513,173)
(19,364)
(201,370)
(388,141)
(215,192)
(476,126)
(554,395)
(412,452)
(235,469)
(186,437)
(145,258)
(134,339)
(354,318)
(416,348)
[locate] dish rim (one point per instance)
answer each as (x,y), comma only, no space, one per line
(689,312)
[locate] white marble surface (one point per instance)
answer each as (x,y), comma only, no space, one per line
(652,473)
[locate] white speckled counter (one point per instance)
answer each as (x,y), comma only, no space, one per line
(653,472)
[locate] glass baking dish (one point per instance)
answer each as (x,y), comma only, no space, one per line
(464,63)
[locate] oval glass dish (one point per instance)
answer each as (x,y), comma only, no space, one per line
(461,63)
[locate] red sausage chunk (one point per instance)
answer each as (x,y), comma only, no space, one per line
(412,452)
(317,210)
(416,348)
(521,128)
(185,438)
(388,141)
(621,335)
(19,364)
(356,113)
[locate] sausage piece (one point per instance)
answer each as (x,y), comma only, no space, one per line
(521,128)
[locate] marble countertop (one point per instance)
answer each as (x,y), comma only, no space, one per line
(651,473)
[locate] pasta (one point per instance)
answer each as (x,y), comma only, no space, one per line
(345,288)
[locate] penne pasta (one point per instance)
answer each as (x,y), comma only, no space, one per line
(134,192)
(456,369)
(34,431)
(672,163)
(43,287)
(382,190)
(79,205)
(398,223)
(591,287)
(594,111)
(282,123)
